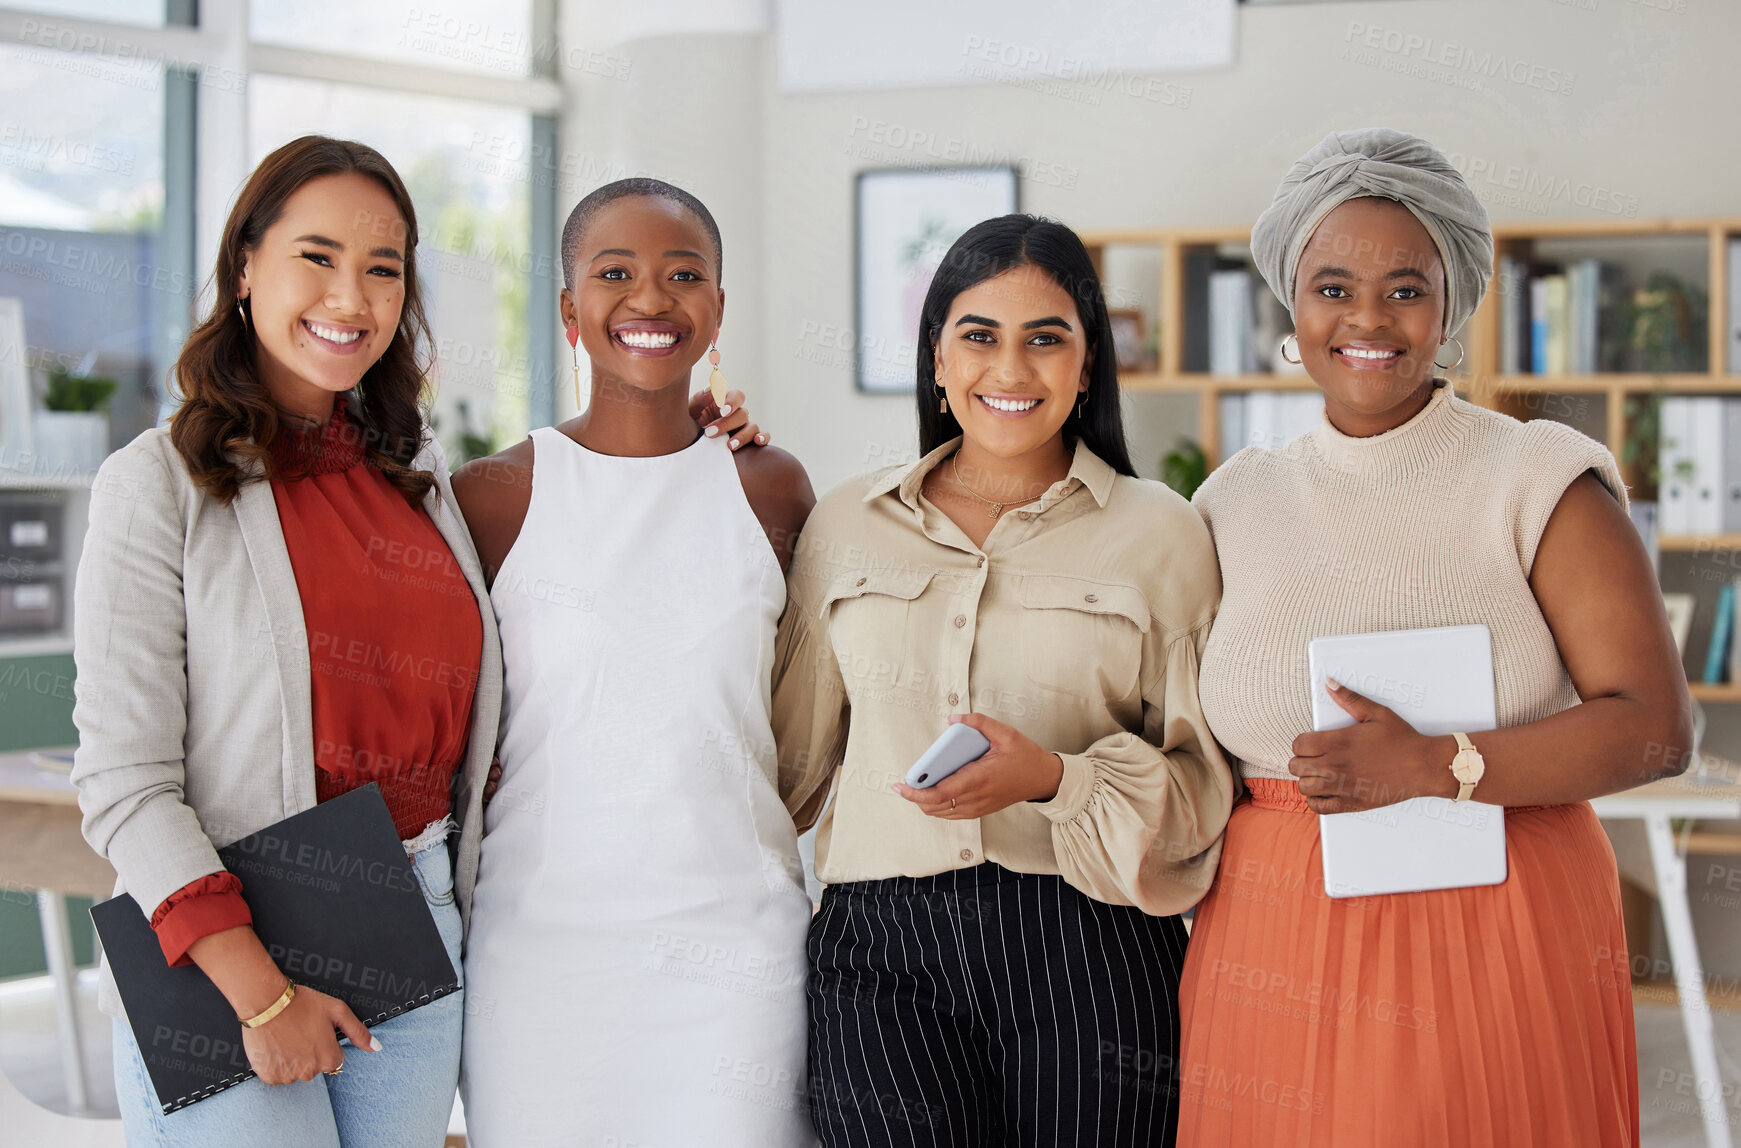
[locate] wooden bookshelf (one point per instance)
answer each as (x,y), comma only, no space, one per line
(1478,375)
(1699,543)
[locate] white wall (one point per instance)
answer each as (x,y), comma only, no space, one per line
(1649,124)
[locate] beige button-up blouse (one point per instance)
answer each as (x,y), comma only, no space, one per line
(1080,623)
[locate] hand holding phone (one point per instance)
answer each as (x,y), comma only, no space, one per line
(959,745)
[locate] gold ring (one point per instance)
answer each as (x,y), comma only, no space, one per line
(952,805)
(335,1071)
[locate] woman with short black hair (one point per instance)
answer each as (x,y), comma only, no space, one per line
(996,956)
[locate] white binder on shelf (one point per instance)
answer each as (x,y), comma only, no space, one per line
(1705,499)
(1674,460)
(1731,485)
(1440,681)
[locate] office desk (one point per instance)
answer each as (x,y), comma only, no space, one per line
(42,850)
(1687,796)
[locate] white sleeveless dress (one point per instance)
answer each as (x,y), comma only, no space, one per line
(635,967)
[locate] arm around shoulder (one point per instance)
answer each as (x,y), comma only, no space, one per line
(779,491)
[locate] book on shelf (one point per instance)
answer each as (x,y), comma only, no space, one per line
(1705,495)
(1555,328)
(1199,264)
(1233,436)
(1559,320)
(1734,656)
(1722,630)
(1735,304)
(1230,322)
(1675,465)
(1644,519)
(1513,330)
(1699,458)
(1268,420)
(1729,482)
(1679,608)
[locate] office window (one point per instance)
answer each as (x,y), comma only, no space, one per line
(144,13)
(82,195)
(491,36)
(466,166)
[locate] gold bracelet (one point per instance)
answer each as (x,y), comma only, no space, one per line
(273,1009)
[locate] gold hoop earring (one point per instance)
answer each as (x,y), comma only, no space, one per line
(1453,365)
(1284,349)
(942,400)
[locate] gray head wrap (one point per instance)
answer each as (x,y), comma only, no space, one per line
(1391,165)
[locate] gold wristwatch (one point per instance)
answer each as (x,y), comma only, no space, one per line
(1468,766)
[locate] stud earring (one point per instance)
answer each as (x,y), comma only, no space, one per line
(573,334)
(716,377)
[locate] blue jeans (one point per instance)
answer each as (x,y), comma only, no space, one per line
(400,1096)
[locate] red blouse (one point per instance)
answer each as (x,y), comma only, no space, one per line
(394,641)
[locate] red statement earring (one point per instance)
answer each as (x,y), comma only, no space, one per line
(573,334)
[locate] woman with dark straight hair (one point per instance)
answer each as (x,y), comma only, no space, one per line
(996,956)
(1009,243)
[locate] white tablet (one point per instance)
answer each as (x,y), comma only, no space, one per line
(1440,681)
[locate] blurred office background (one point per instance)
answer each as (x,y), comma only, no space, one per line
(1600,133)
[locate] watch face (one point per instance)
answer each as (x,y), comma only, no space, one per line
(1468,766)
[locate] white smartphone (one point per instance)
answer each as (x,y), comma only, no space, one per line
(959,745)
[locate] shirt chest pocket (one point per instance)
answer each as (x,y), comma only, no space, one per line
(1081,637)
(872,620)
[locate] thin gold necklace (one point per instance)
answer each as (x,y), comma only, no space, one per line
(997,508)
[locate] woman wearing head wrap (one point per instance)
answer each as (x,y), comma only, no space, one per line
(1494,1015)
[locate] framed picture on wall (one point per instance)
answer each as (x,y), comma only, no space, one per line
(15,438)
(1130,340)
(905,219)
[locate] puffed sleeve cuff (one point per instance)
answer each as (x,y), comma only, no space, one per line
(203,907)
(1074,789)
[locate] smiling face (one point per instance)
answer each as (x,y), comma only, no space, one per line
(1369,311)
(324,290)
(646,293)
(1013,359)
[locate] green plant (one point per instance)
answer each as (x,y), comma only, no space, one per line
(471,444)
(1666,324)
(1184,467)
(70,392)
(1643,436)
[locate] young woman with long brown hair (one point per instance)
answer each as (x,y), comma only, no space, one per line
(277,603)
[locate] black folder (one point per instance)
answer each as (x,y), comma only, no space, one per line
(337,905)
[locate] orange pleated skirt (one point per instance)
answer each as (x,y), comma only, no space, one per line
(1497,1016)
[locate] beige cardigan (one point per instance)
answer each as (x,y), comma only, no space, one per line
(192,698)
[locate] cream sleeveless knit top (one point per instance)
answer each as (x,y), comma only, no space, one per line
(1434,523)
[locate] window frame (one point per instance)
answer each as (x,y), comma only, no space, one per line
(206,50)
